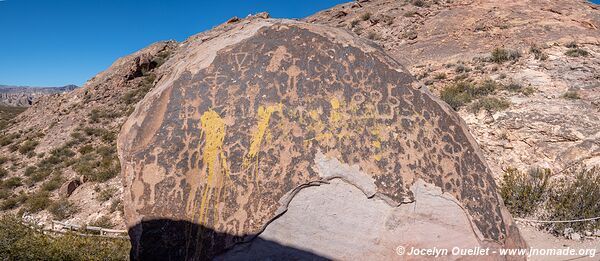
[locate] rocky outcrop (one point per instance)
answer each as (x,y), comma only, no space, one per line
(24,96)
(444,42)
(281,139)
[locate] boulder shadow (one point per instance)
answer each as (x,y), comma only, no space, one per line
(164,239)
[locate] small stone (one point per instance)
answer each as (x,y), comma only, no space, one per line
(575,236)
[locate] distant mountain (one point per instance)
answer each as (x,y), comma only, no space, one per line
(24,96)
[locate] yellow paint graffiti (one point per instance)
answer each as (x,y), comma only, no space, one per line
(262,131)
(334,115)
(213,132)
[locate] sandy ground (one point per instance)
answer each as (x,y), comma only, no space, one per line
(540,240)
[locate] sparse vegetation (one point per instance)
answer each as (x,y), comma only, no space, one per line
(576,52)
(501,55)
(372,36)
(523,192)
(489,104)
(575,197)
(20,242)
(7,114)
(106,194)
(37,201)
(12,182)
(62,209)
(440,76)
(28,146)
(366,16)
(571,95)
(418,3)
(103,221)
(572,197)
(538,53)
(461,93)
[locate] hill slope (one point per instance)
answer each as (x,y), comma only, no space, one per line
(544,50)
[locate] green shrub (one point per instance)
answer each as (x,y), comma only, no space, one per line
(571,95)
(500,55)
(106,194)
(28,146)
(440,76)
(461,93)
(8,139)
(12,182)
(366,16)
(490,104)
(572,45)
(62,209)
(576,52)
(97,115)
(103,221)
(524,192)
(20,242)
(53,183)
(3,173)
(86,149)
(418,3)
(9,203)
(576,197)
(116,205)
(38,202)
(538,53)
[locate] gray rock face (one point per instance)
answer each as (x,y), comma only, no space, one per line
(282,136)
(24,96)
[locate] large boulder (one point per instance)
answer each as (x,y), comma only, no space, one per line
(281,139)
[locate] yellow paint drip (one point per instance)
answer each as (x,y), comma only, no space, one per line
(376,144)
(334,115)
(262,131)
(213,131)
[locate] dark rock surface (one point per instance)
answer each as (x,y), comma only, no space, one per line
(241,123)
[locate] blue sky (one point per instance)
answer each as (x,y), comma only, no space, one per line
(58,42)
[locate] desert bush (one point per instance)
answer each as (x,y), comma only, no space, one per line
(28,146)
(103,221)
(372,36)
(461,93)
(571,95)
(572,45)
(524,192)
(106,194)
(501,55)
(116,205)
(62,209)
(12,182)
(9,203)
(86,149)
(418,3)
(20,242)
(440,76)
(366,16)
(3,172)
(576,196)
(97,115)
(53,183)
(353,23)
(576,52)
(489,104)
(7,139)
(37,201)
(538,53)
